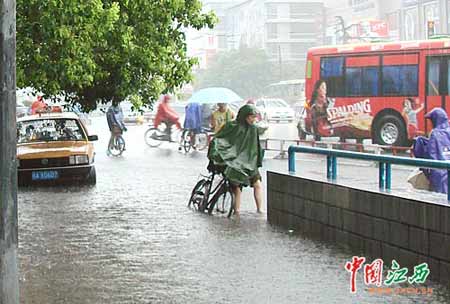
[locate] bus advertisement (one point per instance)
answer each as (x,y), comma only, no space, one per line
(379,91)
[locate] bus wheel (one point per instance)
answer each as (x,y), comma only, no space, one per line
(390,131)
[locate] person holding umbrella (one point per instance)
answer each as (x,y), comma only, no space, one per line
(212,96)
(220,117)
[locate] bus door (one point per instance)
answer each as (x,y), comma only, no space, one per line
(437,85)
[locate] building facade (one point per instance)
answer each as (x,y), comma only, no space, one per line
(206,43)
(354,21)
(285,29)
(417,19)
(386,19)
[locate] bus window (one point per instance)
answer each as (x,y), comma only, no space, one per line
(361,81)
(332,71)
(400,80)
(433,77)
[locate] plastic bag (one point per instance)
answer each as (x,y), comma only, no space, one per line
(419,180)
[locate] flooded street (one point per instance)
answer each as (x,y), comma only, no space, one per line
(131,239)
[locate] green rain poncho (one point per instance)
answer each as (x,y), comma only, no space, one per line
(236,146)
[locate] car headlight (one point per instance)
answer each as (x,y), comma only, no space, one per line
(78,159)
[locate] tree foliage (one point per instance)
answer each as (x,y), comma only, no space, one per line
(93,51)
(246,71)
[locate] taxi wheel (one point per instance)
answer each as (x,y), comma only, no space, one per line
(92,177)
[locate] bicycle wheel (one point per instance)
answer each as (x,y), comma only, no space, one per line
(117,147)
(201,141)
(200,195)
(222,203)
(175,134)
(186,140)
(154,137)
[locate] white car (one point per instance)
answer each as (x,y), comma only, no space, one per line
(21,110)
(131,116)
(275,109)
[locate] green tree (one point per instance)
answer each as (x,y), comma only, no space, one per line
(246,71)
(93,51)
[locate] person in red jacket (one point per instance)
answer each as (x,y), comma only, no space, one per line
(38,106)
(166,114)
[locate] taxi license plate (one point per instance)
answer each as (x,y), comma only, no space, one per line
(44,175)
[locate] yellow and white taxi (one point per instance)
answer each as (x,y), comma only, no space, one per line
(54,147)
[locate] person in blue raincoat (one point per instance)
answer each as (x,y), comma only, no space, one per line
(436,147)
(193,120)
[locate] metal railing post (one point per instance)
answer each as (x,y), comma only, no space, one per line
(384,163)
(291,162)
(333,167)
(329,166)
(282,153)
(388,180)
(448,185)
(381,175)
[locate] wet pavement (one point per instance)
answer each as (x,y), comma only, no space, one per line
(131,239)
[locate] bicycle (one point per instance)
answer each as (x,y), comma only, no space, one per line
(222,200)
(154,137)
(118,145)
(197,141)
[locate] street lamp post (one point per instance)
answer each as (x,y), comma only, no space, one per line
(9,292)
(280,62)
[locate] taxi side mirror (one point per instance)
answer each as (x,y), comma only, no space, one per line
(92,137)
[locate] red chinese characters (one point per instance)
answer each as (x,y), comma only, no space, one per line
(353,267)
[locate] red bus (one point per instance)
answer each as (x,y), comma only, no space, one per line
(376,90)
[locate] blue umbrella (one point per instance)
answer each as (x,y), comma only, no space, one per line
(214,95)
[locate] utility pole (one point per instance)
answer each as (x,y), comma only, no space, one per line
(280,62)
(9,279)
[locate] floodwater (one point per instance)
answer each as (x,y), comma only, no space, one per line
(131,239)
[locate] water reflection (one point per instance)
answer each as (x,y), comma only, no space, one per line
(131,239)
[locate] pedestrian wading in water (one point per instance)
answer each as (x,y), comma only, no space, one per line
(236,148)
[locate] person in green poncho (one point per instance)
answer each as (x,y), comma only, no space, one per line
(236,148)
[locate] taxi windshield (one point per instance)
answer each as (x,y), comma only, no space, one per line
(49,130)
